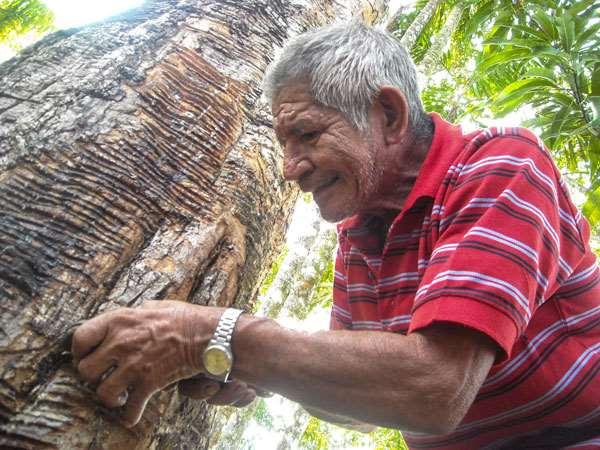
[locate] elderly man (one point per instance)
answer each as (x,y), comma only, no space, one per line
(466,296)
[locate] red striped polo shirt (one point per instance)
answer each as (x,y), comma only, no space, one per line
(488,239)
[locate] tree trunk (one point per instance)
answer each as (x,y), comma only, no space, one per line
(136,162)
(410,36)
(432,61)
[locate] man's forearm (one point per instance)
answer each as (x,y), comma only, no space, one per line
(375,377)
(342,421)
(423,382)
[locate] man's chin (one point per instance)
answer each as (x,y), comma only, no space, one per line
(333,215)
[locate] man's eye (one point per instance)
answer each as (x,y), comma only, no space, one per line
(311,136)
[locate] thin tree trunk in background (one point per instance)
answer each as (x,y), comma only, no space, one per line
(410,36)
(432,60)
(136,162)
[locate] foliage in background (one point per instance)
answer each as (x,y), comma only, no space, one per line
(304,282)
(19,17)
(547,57)
(229,426)
(320,435)
(314,437)
(313,286)
(262,415)
(386,439)
(453,102)
(268,281)
(489,58)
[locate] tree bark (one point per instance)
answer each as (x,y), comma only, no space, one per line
(410,36)
(136,162)
(432,61)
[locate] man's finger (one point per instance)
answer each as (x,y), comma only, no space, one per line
(113,391)
(261,392)
(230,393)
(248,398)
(136,403)
(88,336)
(92,368)
(199,388)
(150,304)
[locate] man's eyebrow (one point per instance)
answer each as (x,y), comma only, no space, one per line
(300,125)
(294,125)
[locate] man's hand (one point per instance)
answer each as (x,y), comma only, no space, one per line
(130,353)
(236,393)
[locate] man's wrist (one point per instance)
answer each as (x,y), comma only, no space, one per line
(254,345)
(218,356)
(200,326)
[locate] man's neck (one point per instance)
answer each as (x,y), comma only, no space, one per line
(400,168)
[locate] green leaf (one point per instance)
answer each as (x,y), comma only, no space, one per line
(518,93)
(542,72)
(559,120)
(511,104)
(595,81)
(545,23)
(314,436)
(595,102)
(481,15)
(591,207)
(580,6)
(524,85)
(504,57)
(593,146)
(589,36)
(530,31)
(561,98)
(530,44)
(268,281)
(539,53)
(566,31)
(18,17)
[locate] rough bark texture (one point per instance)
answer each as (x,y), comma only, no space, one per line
(136,162)
(410,36)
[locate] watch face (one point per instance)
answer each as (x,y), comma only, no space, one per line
(217,360)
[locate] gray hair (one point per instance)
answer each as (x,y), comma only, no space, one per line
(345,67)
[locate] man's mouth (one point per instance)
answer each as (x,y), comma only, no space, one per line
(326,185)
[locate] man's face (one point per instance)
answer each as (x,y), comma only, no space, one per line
(325,154)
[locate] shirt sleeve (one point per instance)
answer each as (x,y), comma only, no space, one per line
(340,310)
(505,236)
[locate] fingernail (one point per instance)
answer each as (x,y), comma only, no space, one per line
(211,389)
(123,398)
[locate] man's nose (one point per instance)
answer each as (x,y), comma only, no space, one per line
(294,169)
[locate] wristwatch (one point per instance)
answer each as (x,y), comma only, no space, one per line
(217,356)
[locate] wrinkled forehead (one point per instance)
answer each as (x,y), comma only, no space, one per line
(288,96)
(292,105)
(294,109)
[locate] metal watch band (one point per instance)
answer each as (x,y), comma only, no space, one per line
(225,327)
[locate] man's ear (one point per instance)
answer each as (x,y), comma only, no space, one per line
(393,110)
